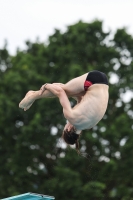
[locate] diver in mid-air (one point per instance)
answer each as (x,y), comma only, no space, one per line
(91,92)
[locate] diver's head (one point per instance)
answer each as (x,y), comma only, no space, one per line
(71,137)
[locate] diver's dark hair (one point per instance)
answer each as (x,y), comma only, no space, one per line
(71,137)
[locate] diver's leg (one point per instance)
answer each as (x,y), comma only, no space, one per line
(74,87)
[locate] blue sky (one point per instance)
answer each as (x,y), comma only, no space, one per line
(21,20)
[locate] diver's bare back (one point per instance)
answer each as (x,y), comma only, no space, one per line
(93,107)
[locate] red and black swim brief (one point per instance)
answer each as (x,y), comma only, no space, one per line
(95,77)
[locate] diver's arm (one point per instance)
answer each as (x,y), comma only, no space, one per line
(64,101)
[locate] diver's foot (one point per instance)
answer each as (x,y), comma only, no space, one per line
(28,100)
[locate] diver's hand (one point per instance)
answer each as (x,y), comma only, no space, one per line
(42,89)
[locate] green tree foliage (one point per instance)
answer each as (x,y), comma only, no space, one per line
(33,156)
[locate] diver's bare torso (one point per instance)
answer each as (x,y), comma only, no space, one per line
(93,107)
